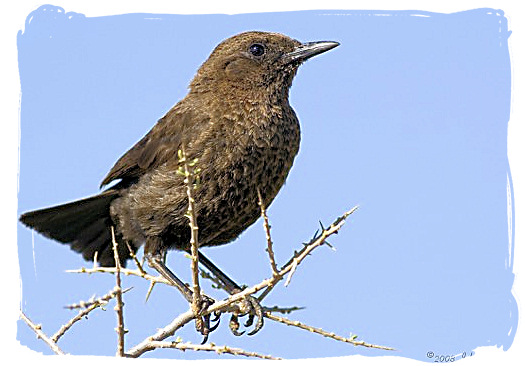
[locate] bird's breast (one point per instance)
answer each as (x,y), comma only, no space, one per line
(254,155)
(257,149)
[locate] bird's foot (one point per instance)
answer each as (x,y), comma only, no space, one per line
(203,323)
(248,306)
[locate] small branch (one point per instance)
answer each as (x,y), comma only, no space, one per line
(125,271)
(267,227)
(135,259)
(292,271)
(315,242)
(63,329)
(322,332)
(216,283)
(194,241)
(282,310)
(100,301)
(210,347)
(161,334)
(86,307)
(38,330)
(118,295)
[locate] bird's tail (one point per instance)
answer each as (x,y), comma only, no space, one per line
(85,225)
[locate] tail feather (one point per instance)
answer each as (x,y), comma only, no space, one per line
(92,232)
(84,224)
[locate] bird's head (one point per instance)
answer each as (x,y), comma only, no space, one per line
(256,60)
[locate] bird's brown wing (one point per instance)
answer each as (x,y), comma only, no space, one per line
(159,145)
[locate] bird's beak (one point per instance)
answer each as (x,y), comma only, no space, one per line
(307,50)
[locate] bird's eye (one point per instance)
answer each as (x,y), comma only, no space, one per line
(257,49)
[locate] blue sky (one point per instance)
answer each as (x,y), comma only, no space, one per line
(407,118)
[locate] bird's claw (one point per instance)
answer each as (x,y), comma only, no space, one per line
(257,312)
(234,325)
(250,306)
(203,322)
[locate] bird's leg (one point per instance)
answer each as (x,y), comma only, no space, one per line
(157,262)
(202,323)
(252,304)
(227,283)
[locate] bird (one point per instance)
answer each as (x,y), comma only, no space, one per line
(235,123)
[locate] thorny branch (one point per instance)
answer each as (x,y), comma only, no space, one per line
(267,227)
(101,301)
(86,307)
(322,332)
(188,170)
(210,347)
(38,330)
(223,305)
(124,271)
(118,295)
(278,274)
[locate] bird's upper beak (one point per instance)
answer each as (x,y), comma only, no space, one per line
(307,50)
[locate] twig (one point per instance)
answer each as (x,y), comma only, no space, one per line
(299,256)
(292,271)
(86,307)
(38,330)
(216,283)
(322,332)
(194,241)
(161,334)
(134,257)
(294,262)
(63,329)
(210,347)
(267,227)
(103,300)
(118,295)
(125,271)
(279,309)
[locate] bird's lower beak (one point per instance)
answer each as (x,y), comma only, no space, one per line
(307,50)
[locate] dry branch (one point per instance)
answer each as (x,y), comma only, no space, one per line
(103,300)
(124,271)
(269,242)
(87,307)
(210,347)
(189,181)
(38,330)
(322,332)
(118,296)
(227,305)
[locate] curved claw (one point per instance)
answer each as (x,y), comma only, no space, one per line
(203,327)
(249,321)
(255,311)
(202,324)
(216,320)
(234,326)
(217,316)
(205,339)
(258,313)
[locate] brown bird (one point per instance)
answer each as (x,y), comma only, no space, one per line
(235,122)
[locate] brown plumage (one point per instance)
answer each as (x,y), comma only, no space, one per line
(236,120)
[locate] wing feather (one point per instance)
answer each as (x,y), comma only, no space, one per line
(159,145)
